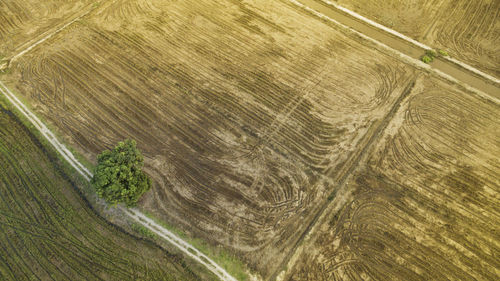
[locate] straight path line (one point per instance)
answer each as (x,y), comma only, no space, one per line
(134,214)
(450,69)
(345,173)
(410,40)
(48,36)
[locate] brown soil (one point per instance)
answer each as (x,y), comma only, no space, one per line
(243,113)
(425,205)
(21,22)
(468,30)
(250,113)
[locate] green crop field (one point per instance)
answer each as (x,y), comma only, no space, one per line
(48,232)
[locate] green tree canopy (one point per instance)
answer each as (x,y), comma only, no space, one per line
(118,177)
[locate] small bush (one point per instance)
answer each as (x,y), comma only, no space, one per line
(443,53)
(427,59)
(431,53)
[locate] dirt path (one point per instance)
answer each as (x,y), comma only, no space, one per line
(346,171)
(134,214)
(445,66)
(406,47)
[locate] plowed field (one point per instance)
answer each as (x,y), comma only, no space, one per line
(468,30)
(425,206)
(23,21)
(245,111)
(48,232)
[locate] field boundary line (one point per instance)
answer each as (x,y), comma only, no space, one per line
(402,56)
(33,119)
(48,36)
(133,213)
(355,158)
(410,40)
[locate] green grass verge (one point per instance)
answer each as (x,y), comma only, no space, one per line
(49,229)
(142,230)
(222,257)
(226,260)
(89,165)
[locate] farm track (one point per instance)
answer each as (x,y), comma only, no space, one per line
(409,47)
(430,185)
(340,177)
(49,233)
(257,121)
(203,100)
(24,21)
(136,215)
(467,29)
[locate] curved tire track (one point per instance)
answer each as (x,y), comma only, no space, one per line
(134,214)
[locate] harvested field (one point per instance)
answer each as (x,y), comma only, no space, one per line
(48,232)
(23,21)
(468,30)
(425,206)
(244,110)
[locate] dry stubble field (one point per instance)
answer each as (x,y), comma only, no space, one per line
(425,205)
(468,30)
(250,113)
(244,110)
(23,21)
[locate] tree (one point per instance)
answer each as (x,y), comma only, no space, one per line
(118,177)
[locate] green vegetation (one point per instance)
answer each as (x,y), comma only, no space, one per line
(48,230)
(427,59)
(222,257)
(4,63)
(142,230)
(430,55)
(443,53)
(118,177)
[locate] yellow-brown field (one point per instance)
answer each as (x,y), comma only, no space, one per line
(243,115)
(21,22)
(256,116)
(425,206)
(468,30)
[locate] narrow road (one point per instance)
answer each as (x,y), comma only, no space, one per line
(402,44)
(398,43)
(323,8)
(133,214)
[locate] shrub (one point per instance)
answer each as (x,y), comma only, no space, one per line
(427,59)
(118,177)
(443,53)
(431,53)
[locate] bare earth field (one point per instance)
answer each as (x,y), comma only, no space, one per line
(244,114)
(425,205)
(468,30)
(251,113)
(24,21)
